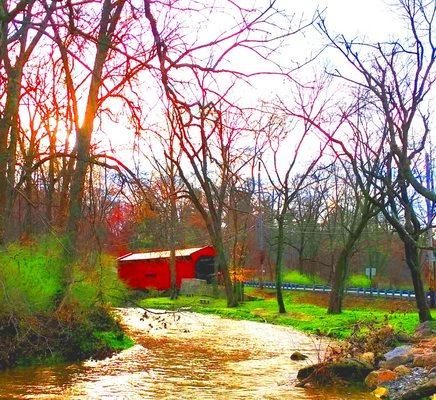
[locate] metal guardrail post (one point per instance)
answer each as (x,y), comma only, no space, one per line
(387,293)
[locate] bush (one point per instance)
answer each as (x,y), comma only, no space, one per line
(97,283)
(40,317)
(361,281)
(30,277)
(293,276)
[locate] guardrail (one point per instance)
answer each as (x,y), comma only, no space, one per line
(387,293)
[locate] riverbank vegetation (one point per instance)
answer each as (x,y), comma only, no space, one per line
(305,312)
(44,320)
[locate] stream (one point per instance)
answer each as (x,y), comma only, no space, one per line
(183,356)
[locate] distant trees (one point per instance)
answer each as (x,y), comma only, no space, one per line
(209,147)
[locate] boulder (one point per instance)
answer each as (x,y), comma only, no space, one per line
(424,330)
(425,360)
(398,351)
(297,356)
(402,370)
(198,287)
(376,378)
(350,370)
(396,361)
(406,383)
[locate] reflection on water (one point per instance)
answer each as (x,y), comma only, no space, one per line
(182,356)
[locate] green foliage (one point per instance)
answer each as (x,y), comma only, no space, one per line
(43,318)
(293,276)
(30,277)
(305,317)
(97,283)
(361,281)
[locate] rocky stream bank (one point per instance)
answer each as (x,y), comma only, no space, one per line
(407,372)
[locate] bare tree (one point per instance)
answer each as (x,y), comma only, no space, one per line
(394,79)
(197,80)
(209,146)
(355,211)
(287,183)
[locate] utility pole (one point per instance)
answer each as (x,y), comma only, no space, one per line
(260,234)
(430,214)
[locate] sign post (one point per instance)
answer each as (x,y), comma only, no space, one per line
(370,272)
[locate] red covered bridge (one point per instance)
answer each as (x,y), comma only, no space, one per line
(152,270)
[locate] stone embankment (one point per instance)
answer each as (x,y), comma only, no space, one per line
(407,372)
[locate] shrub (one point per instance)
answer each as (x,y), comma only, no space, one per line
(293,276)
(40,317)
(30,277)
(361,281)
(97,283)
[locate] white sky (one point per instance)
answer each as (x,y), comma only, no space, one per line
(371,19)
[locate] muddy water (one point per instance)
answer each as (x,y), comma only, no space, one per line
(182,356)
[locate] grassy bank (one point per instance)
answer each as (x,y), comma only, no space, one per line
(303,313)
(42,319)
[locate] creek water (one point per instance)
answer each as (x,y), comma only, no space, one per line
(183,356)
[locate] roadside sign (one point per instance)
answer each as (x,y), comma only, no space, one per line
(370,272)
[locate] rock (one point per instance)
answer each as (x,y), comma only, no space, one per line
(351,370)
(396,361)
(405,383)
(402,370)
(425,360)
(381,393)
(419,392)
(375,378)
(398,351)
(367,357)
(199,287)
(426,329)
(297,356)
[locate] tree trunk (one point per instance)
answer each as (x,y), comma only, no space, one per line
(338,284)
(224,270)
(8,138)
(64,198)
(279,263)
(172,240)
(412,260)
(51,181)
(28,189)
(84,133)
(76,191)
(341,270)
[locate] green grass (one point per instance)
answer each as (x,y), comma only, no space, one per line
(304,317)
(113,340)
